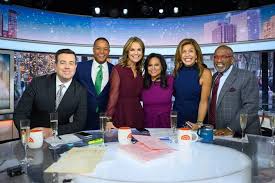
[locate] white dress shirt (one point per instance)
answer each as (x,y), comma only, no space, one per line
(105,72)
(223,79)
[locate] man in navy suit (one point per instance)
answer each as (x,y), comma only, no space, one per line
(87,74)
(41,96)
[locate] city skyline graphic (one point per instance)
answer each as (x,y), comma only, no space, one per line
(25,23)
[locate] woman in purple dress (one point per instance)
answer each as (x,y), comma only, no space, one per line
(157,92)
(126,85)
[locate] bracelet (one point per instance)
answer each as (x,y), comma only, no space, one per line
(200,123)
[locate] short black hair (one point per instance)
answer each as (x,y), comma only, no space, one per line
(101,38)
(66,51)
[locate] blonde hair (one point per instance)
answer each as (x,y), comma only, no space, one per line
(178,60)
(124,59)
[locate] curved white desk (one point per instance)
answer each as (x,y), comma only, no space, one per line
(200,162)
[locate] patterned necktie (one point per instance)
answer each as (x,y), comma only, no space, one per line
(59,95)
(98,80)
(213,102)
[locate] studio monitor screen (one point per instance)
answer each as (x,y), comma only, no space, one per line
(6,82)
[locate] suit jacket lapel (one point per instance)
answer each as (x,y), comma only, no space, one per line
(88,76)
(227,84)
(52,91)
(68,95)
(108,83)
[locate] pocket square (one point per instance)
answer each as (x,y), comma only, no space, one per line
(232,89)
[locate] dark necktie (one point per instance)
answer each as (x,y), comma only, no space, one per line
(213,102)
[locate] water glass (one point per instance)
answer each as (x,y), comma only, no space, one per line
(54,123)
(243,122)
(54,127)
(103,119)
(25,134)
(173,124)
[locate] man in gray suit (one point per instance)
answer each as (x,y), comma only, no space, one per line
(233,91)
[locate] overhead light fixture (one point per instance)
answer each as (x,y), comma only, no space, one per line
(125,11)
(176,10)
(161,11)
(97,10)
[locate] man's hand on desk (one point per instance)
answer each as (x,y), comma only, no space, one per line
(47,132)
(110,126)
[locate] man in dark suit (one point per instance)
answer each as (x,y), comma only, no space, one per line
(236,91)
(57,92)
(94,76)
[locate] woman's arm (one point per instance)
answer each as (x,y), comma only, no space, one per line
(113,97)
(205,81)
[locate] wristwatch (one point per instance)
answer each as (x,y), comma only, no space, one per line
(200,123)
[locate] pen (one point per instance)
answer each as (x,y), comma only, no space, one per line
(164,138)
(229,129)
(188,124)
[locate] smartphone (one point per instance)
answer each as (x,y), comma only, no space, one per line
(84,134)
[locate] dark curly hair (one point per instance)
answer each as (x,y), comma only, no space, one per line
(147,81)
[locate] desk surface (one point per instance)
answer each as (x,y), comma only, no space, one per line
(203,162)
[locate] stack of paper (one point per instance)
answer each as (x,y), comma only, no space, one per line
(147,148)
(62,139)
(78,160)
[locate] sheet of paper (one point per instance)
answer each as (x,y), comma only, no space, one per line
(141,152)
(78,160)
(147,148)
(64,139)
(151,142)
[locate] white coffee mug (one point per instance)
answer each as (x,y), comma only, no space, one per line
(124,135)
(186,135)
(36,139)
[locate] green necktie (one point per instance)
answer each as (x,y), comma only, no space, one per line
(98,80)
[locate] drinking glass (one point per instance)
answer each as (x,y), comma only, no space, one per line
(243,122)
(25,134)
(103,119)
(272,125)
(54,127)
(173,124)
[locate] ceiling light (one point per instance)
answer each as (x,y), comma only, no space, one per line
(161,11)
(125,11)
(176,10)
(97,10)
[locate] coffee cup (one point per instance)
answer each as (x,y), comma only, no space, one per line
(206,133)
(186,136)
(124,135)
(35,139)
